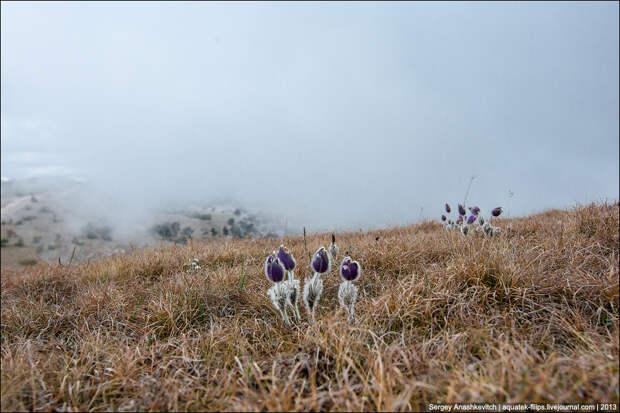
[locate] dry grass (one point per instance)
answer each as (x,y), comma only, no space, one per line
(530,316)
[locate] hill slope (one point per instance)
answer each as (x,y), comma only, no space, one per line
(54,218)
(531,315)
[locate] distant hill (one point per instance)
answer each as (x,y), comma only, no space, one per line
(52,218)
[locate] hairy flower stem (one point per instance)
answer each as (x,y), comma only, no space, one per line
(277,293)
(282,306)
(285,317)
(292,304)
(312,294)
(347,295)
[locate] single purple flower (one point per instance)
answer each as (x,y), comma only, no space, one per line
(496,211)
(471,219)
(286,258)
(462,210)
(350,270)
(443,217)
(474,210)
(274,270)
(459,220)
(448,208)
(320,261)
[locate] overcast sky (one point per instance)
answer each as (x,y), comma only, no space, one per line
(338,115)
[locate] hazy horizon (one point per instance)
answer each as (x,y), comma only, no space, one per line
(335,115)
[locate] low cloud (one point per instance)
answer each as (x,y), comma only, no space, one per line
(330,115)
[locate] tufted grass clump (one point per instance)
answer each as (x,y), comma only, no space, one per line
(530,315)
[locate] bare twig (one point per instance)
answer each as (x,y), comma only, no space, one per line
(468,187)
(71,259)
(306,245)
(242,275)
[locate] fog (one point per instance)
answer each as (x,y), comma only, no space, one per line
(332,115)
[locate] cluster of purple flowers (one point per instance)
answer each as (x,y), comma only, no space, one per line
(285,293)
(464,223)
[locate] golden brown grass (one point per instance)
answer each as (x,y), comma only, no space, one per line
(529,316)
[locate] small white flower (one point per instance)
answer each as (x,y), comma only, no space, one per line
(194,266)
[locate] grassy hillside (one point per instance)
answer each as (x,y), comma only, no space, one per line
(531,315)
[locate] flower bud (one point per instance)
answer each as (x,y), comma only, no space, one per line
(448,208)
(274,270)
(286,258)
(350,270)
(496,211)
(462,210)
(320,261)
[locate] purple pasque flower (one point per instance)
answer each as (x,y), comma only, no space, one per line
(443,217)
(459,220)
(350,270)
(274,270)
(286,258)
(448,208)
(474,210)
(496,211)
(471,219)
(462,210)
(320,261)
